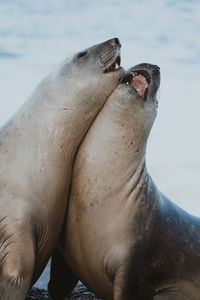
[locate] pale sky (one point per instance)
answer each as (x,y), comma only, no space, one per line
(35,36)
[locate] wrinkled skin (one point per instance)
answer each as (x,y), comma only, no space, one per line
(123,238)
(37,148)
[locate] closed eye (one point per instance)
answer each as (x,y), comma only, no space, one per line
(81,54)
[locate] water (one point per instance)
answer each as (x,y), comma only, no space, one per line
(36,35)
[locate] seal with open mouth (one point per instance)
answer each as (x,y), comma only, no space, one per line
(124,239)
(37,148)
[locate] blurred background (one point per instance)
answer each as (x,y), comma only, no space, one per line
(36,35)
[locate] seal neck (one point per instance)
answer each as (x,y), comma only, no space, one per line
(137,181)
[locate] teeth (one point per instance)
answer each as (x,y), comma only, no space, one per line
(115,66)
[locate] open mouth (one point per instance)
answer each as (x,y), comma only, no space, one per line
(114,66)
(139,81)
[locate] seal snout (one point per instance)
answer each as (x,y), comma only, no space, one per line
(144,79)
(110,59)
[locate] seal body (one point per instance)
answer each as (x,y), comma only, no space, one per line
(124,239)
(37,148)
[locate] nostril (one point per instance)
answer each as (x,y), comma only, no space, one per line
(156,71)
(115,42)
(157,68)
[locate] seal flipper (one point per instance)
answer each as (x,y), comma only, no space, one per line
(62,280)
(17,264)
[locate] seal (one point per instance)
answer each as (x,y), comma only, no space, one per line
(37,148)
(124,239)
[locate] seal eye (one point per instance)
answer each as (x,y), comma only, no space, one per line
(81,54)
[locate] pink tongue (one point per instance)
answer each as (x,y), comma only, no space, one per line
(140,84)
